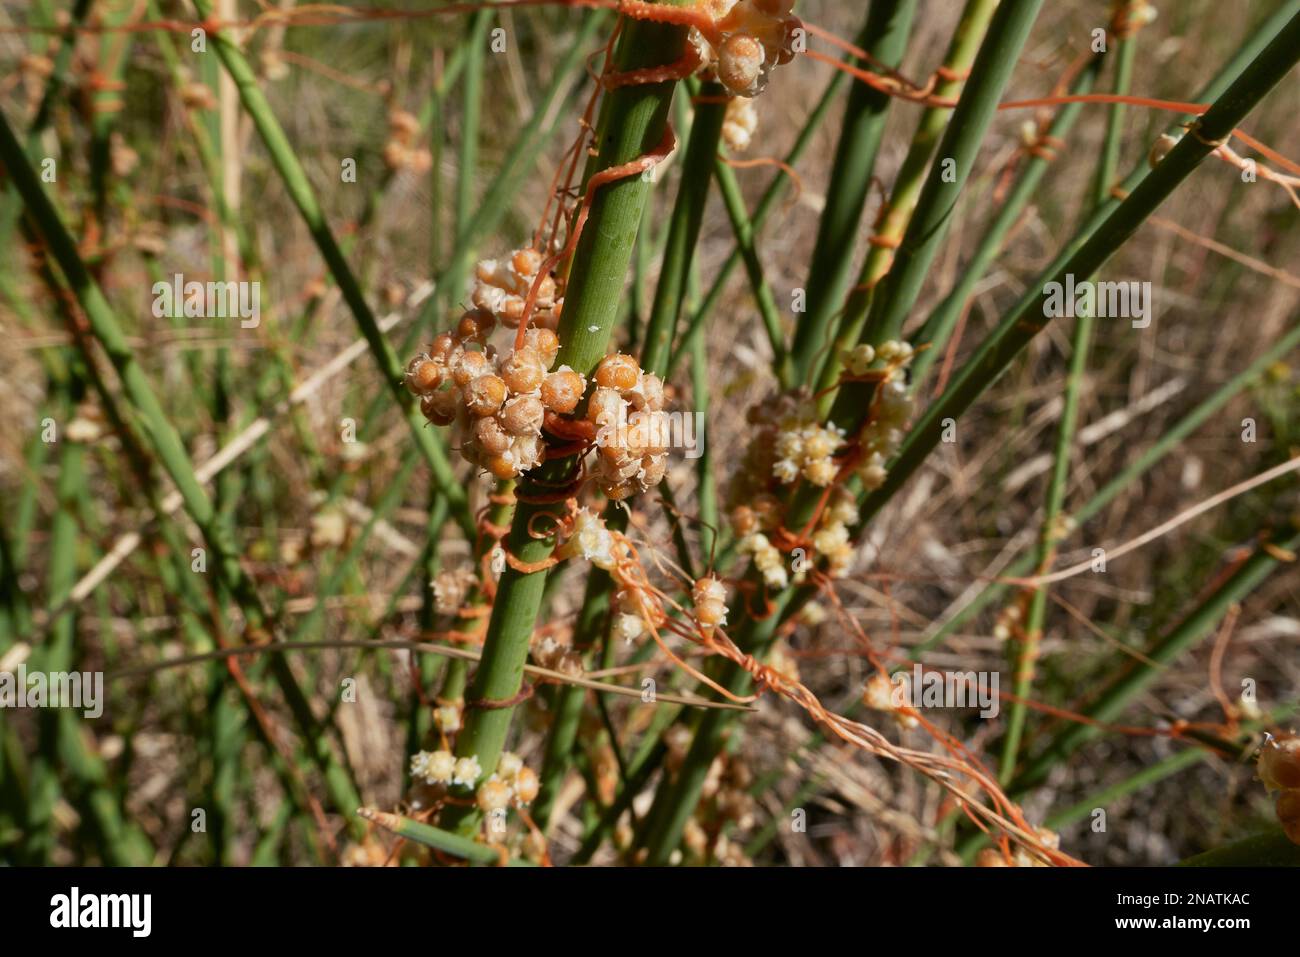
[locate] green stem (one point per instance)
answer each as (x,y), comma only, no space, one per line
(304,198)
(884,36)
(906,191)
(684,228)
(633,121)
(1027,319)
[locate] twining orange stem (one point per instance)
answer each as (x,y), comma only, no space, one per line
(634,167)
(1174,106)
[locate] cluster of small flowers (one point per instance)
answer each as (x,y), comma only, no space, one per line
(878,695)
(1279,769)
(513,783)
(831,540)
(634,609)
(449,717)
(750,522)
(443,767)
(767,559)
(501,287)
(555,656)
(499,402)
(751,37)
(807,449)
(890,411)
(802,447)
(591,540)
(632,428)
(739,124)
(709,596)
(451,589)
(400,152)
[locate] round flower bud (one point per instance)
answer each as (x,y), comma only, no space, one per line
(526,785)
(440,407)
(546,342)
(484,395)
(711,612)
(653,468)
(740,62)
(605,407)
(743,520)
(522,415)
(469,367)
(526,262)
(652,387)
(423,375)
(617,371)
(442,347)
(523,371)
(477,325)
(493,795)
(501,466)
(562,391)
(490,436)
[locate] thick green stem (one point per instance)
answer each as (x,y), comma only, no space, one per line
(632,123)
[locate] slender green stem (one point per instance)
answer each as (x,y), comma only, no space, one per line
(884,36)
(1140,673)
(898,210)
(1027,319)
(304,198)
(684,228)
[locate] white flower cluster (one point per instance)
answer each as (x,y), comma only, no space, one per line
(767,559)
(443,767)
(501,287)
(448,717)
(499,402)
(739,124)
(890,411)
(632,429)
(749,39)
(634,608)
(805,448)
(513,783)
(591,540)
(831,539)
